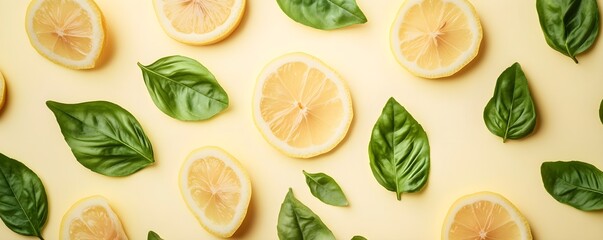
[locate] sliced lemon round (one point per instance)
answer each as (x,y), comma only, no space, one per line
(68,32)
(301,106)
(2,90)
(91,218)
(435,38)
(216,189)
(199,22)
(485,216)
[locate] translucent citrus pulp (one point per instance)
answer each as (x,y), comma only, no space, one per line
(217,190)
(2,90)
(301,106)
(485,216)
(199,22)
(68,32)
(435,38)
(91,218)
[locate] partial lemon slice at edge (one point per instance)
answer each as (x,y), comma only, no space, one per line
(91,218)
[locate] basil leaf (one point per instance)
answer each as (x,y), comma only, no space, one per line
(510,113)
(296,221)
(601,112)
(358,238)
(323,14)
(103,137)
(324,187)
(574,183)
(23,203)
(153,236)
(399,150)
(184,89)
(570,26)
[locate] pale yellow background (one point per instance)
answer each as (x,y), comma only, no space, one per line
(466,157)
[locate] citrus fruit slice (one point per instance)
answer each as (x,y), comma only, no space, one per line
(68,32)
(216,189)
(91,218)
(2,90)
(485,216)
(199,22)
(435,38)
(301,106)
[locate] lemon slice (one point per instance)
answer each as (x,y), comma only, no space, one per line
(199,22)
(485,216)
(68,32)
(91,218)
(435,38)
(2,90)
(216,189)
(301,106)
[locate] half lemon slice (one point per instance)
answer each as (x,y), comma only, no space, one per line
(68,32)
(485,216)
(435,38)
(301,106)
(91,218)
(199,22)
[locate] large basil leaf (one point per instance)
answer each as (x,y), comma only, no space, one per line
(577,184)
(184,89)
(104,137)
(23,203)
(569,26)
(601,112)
(510,113)
(399,150)
(153,236)
(326,189)
(298,222)
(323,14)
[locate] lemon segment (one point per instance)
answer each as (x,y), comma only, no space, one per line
(67,32)
(91,218)
(435,38)
(199,22)
(2,91)
(216,189)
(301,106)
(485,216)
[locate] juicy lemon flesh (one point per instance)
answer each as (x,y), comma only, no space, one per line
(63,27)
(197,16)
(434,34)
(94,224)
(483,220)
(301,105)
(215,189)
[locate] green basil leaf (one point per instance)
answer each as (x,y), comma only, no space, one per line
(323,14)
(601,112)
(326,189)
(23,203)
(298,222)
(103,137)
(510,113)
(358,238)
(153,236)
(184,89)
(574,183)
(399,150)
(570,26)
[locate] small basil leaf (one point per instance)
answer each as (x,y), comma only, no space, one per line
(510,113)
(298,222)
(103,137)
(23,202)
(601,112)
(574,183)
(358,238)
(399,150)
(323,14)
(153,236)
(184,89)
(326,189)
(570,26)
